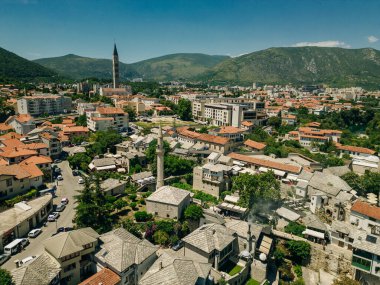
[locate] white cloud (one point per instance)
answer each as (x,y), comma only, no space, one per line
(372,39)
(322,44)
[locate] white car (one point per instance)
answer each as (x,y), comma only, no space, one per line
(59,177)
(53,217)
(27,259)
(81,181)
(34,233)
(64,201)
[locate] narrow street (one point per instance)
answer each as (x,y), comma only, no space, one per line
(68,187)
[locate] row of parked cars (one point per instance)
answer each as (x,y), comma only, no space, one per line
(18,244)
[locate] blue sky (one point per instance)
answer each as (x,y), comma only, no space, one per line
(149,28)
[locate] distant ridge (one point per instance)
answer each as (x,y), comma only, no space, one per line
(169,67)
(16,68)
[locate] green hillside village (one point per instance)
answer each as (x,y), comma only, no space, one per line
(191,168)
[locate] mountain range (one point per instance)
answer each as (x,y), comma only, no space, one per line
(297,65)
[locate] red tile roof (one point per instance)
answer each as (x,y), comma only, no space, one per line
(230,130)
(75,129)
(254,144)
(40,159)
(104,277)
(11,135)
(110,110)
(366,209)
(355,149)
(265,163)
(4,127)
(15,152)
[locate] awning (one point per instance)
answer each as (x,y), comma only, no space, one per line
(279,172)
(312,233)
(106,167)
(231,199)
(292,177)
(263,169)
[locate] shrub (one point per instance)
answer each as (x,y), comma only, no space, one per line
(298,270)
(133,205)
(142,216)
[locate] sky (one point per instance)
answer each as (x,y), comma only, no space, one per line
(143,29)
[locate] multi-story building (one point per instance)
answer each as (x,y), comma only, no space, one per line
(75,131)
(44,104)
(107,118)
(214,177)
(17,179)
(121,91)
(126,255)
(312,136)
(74,252)
(52,141)
(21,123)
(227,111)
(17,221)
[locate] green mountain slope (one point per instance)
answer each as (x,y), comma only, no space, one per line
(16,68)
(169,67)
(79,67)
(177,66)
(301,65)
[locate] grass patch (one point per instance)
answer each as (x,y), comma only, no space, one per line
(252,282)
(236,269)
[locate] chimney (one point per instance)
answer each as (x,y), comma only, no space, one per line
(160,265)
(17,262)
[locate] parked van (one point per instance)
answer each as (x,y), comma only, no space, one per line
(14,247)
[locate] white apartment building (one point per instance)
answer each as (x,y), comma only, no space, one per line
(105,118)
(43,104)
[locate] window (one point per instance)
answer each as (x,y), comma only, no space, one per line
(9,182)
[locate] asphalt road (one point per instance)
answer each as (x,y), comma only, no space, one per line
(68,187)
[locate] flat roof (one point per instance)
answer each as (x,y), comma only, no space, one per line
(18,214)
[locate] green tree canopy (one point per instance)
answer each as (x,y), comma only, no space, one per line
(131,113)
(193,212)
(257,187)
(184,109)
(92,209)
(6,277)
(300,250)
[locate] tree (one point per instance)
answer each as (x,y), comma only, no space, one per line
(295,228)
(275,122)
(160,237)
(184,109)
(92,209)
(255,188)
(142,216)
(6,277)
(79,161)
(82,120)
(193,212)
(5,110)
(120,204)
(300,250)
(344,280)
(131,113)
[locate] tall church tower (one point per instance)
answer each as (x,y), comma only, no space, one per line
(160,159)
(115,67)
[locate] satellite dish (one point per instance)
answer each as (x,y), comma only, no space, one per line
(263,257)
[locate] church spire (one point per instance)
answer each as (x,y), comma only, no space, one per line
(115,67)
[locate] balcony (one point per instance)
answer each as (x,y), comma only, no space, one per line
(361,266)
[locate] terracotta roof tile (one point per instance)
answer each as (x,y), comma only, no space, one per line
(15,152)
(14,170)
(110,110)
(12,143)
(265,163)
(366,209)
(104,277)
(75,129)
(40,159)
(230,130)
(11,135)
(4,127)
(254,144)
(355,149)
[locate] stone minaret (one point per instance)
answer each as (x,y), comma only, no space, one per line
(160,159)
(115,67)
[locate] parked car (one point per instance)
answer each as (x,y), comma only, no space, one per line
(178,245)
(52,217)
(60,207)
(34,233)
(27,259)
(81,181)
(59,177)
(64,201)
(75,172)
(4,258)
(62,229)
(57,170)
(57,161)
